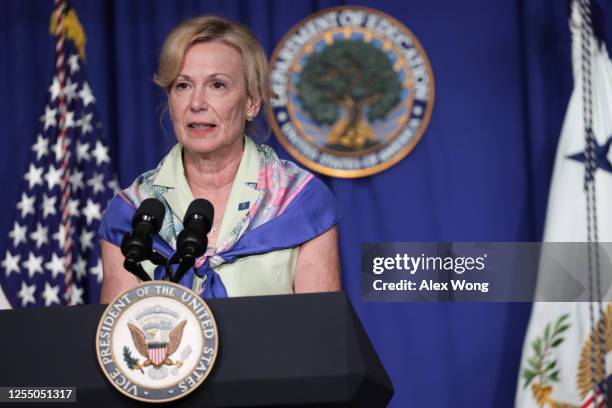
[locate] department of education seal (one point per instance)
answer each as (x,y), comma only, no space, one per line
(157,342)
(353,91)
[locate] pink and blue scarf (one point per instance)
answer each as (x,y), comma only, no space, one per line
(294,207)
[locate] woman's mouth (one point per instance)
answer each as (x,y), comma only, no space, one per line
(201,125)
(200,129)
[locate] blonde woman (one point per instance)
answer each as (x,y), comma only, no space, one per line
(274,228)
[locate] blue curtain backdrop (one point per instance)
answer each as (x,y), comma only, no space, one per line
(480,173)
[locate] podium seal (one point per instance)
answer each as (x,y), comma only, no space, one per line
(157,342)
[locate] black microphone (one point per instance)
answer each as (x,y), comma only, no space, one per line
(137,245)
(192,242)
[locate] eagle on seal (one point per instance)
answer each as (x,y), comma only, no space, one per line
(154,348)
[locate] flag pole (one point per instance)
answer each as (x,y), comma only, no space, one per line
(59,12)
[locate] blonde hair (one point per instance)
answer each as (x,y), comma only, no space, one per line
(213,28)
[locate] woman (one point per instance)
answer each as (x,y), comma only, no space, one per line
(274,228)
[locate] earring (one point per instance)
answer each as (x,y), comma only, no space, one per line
(250,116)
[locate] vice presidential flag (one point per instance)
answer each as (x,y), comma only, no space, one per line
(557,361)
(51,256)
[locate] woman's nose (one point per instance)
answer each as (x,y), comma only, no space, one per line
(198,100)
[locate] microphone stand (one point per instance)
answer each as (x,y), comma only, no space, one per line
(185,264)
(186,260)
(160,260)
(137,270)
(157,259)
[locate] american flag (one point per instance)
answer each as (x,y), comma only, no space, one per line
(594,399)
(52,256)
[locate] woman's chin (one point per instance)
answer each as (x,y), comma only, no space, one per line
(206,147)
(201,147)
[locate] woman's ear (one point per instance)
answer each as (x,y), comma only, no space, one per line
(252,107)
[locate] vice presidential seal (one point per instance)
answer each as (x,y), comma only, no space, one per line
(157,342)
(353,91)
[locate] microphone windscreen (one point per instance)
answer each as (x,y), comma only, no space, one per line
(153,208)
(202,207)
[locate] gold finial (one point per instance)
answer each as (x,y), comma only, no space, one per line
(73,30)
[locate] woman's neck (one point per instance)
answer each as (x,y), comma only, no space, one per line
(211,174)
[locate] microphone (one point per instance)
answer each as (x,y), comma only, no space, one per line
(137,245)
(192,242)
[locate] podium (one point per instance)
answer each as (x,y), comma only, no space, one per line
(287,350)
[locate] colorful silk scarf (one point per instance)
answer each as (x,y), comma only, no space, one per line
(293,207)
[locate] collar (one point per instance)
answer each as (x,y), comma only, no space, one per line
(242,196)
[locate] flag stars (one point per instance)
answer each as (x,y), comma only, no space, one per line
(11,263)
(76,180)
(82,151)
(70,122)
(26,294)
(85,123)
(40,236)
(48,206)
(92,211)
(49,117)
(73,207)
(57,150)
(86,95)
(41,147)
(34,176)
(51,294)
(77,295)
(114,185)
(97,271)
(85,240)
(40,239)
(100,152)
(53,177)
(96,182)
(18,234)
(73,63)
(80,267)
(26,205)
(33,264)
(70,90)
(602,157)
(55,89)
(55,265)
(60,236)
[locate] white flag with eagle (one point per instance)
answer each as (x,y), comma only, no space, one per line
(557,366)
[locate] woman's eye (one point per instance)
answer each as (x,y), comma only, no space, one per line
(218,85)
(181,85)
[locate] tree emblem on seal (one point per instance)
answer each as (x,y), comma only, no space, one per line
(344,83)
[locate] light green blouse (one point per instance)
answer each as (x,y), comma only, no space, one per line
(264,274)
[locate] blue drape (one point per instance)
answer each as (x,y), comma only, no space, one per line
(480,173)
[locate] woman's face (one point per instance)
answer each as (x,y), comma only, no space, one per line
(208,100)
